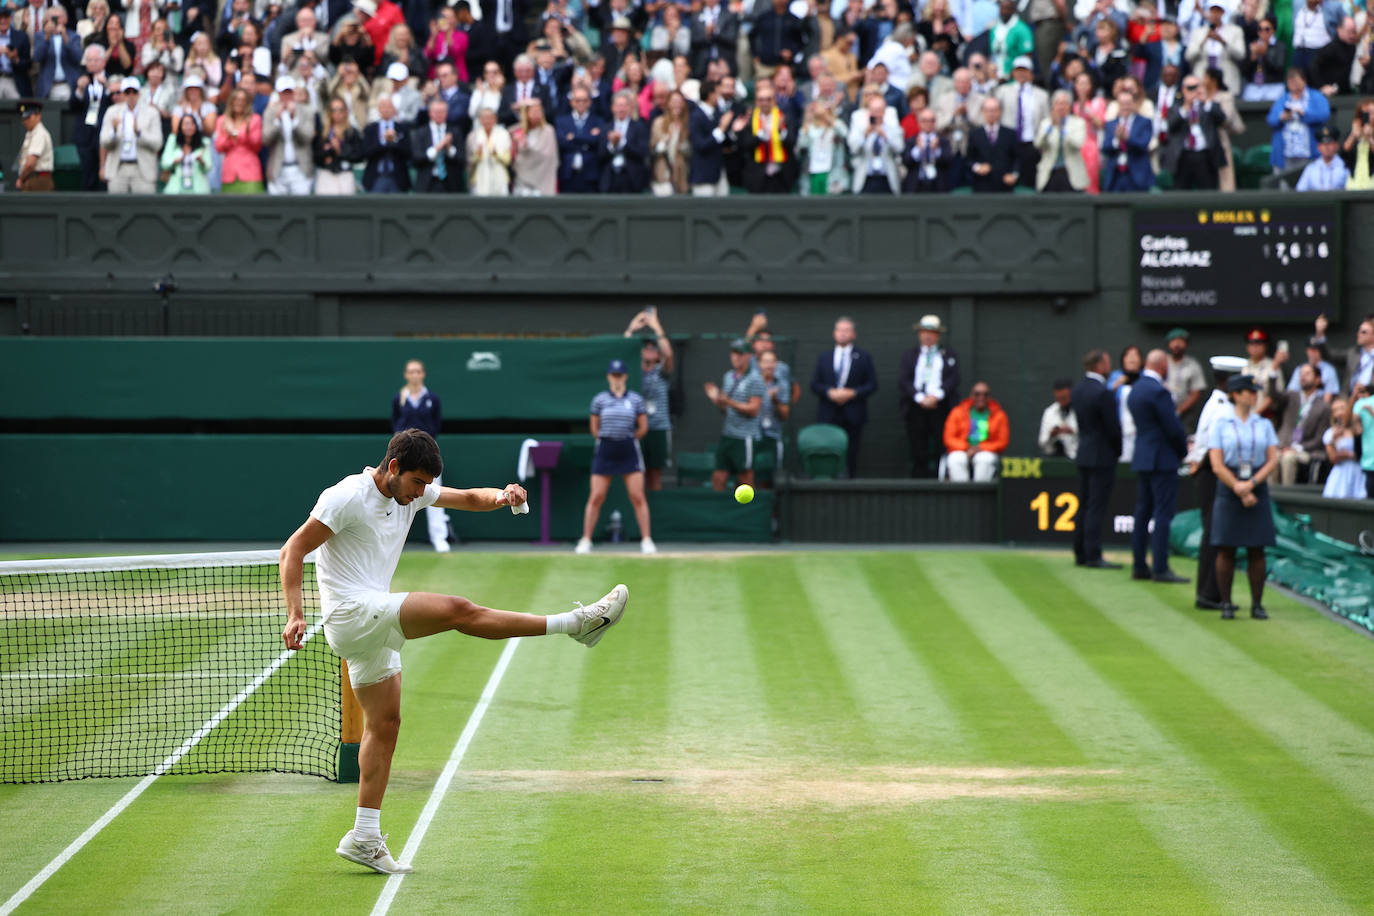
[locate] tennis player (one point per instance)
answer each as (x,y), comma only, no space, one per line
(359,526)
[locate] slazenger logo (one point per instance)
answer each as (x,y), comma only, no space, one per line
(483,361)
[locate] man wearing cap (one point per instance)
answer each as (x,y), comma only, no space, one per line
(132,139)
(1099,449)
(1329,383)
(15,58)
(1217,408)
(1160,444)
(1184,381)
(437,153)
(1328,171)
(1216,45)
(1262,368)
(1010,40)
(1024,106)
(928,382)
(405,97)
(843,380)
(740,397)
(288,134)
(35,155)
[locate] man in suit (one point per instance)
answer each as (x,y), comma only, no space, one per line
(386,146)
(992,152)
(517,94)
(580,136)
(843,380)
(708,131)
(1126,148)
(452,93)
(305,38)
(1060,138)
(1160,445)
(958,112)
(437,153)
(1216,45)
(1099,449)
(1194,152)
(1159,54)
(58,58)
(929,157)
(90,102)
(1024,106)
(288,134)
(768,141)
(1358,374)
(929,384)
(875,148)
(131,135)
(715,36)
(625,151)
(1305,416)
(15,58)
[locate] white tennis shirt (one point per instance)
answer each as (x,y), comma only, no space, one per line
(370,531)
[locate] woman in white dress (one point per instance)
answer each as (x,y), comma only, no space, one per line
(489,157)
(1346,480)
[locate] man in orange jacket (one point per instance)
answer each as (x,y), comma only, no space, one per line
(976,435)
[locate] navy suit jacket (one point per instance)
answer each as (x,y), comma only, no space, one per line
(1099,425)
(587,141)
(19,41)
(83,135)
(47,64)
(862,378)
(708,156)
(634,177)
(1001,156)
(1139,174)
(1160,442)
(1153,55)
(398,153)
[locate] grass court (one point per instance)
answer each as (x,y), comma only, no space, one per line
(799,732)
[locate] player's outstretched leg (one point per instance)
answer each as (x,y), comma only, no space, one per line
(425,614)
(593,621)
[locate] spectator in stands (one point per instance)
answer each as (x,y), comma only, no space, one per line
(1194,153)
(580,134)
(351,43)
(409,103)
(875,147)
(917,101)
(929,158)
(767,142)
(1261,72)
(1312,31)
(619,422)
(707,129)
(288,132)
(386,146)
(378,18)
(196,106)
(785,95)
(842,63)
(715,35)
(1330,68)
(97,11)
(536,154)
(1214,91)
(843,381)
(1010,41)
(1358,149)
(447,44)
(1216,45)
(928,76)
(670,36)
(436,153)
(335,149)
(402,49)
(489,157)
(1243,452)
(1168,51)
(57,57)
(1305,418)
(122,57)
(1359,359)
(36,152)
(740,397)
(187,158)
(202,61)
(896,54)
(1092,108)
(132,139)
(624,151)
(15,58)
(976,435)
(1295,117)
(656,367)
(959,111)
(1098,431)
(1125,153)
(1347,479)
(1111,60)
(1184,380)
(90,103)
(1327,380)
(238,137)
(670,146)
(940,31)
(1059,142)
(416,407)
(1362,420)
(303,38)
(1328,171)
(1160,446)
(1166,97)
(1058,423)
(992,152)
(777,39)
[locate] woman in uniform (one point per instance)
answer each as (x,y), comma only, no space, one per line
(1244,450)
(619,420)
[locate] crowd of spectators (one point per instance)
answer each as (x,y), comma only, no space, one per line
(688,96)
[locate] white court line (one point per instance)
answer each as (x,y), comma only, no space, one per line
(25,892)
(393,883)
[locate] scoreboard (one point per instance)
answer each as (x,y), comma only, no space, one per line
(1257,265)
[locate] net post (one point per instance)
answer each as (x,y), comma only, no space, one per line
(350,727)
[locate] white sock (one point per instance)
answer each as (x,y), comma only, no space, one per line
(368,822)
(562,623)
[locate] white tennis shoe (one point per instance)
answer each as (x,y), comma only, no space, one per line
(600,617)
(647,545)
(371,853)
(584,545)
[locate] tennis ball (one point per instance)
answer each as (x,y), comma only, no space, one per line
(744,494)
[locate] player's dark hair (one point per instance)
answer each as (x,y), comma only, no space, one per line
(414,449)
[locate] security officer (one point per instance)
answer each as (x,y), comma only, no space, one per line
(1217,406)
(36,154)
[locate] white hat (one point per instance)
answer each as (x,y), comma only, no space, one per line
(931,323)
(1228,363)
(129,84)
(193,82)
(397,71)
(1023,63)
(366,7)
(286,84)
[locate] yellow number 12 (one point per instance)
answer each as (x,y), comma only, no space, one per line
(1041,505)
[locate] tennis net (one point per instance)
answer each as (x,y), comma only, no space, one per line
(130,666)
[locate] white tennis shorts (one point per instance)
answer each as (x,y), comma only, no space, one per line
(366,632)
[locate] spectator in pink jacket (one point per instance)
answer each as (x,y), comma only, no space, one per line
(238,137)
(448,43)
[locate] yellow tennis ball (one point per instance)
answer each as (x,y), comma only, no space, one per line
(744,494)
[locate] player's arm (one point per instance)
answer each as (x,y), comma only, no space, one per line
(290,561)
(481,499)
